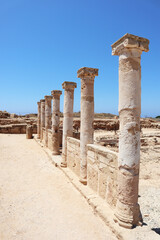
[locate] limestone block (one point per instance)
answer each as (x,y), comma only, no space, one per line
(73,155)
(102,165)
(92,175)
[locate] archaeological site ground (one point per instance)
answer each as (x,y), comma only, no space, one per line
(83,175)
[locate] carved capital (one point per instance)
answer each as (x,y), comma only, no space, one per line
(69,85)
(56,93)
(48,97)
(87,72)
(129,41)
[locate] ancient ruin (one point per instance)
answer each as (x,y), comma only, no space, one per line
(102,153)
(129,49)
(67,117)
(87,76)
(55,121)
(47,117)
(42,101)
(39,120)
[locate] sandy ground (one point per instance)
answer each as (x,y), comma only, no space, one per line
(37,202)
(149,186)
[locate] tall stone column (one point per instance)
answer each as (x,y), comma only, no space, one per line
(39,120)
(129,49)
(47,117)
(42,101)
(87,76)
(67,117)
(55,121)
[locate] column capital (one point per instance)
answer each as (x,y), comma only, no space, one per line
(129,41)
(69,85)
(56,93)
(87,72)
(38,103)
(48,97)
(42,100)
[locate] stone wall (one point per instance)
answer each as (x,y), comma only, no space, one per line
(73,155)
(43,135)
(17,129)
(102,166)
(50,146)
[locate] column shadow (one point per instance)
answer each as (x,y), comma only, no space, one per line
(157,230)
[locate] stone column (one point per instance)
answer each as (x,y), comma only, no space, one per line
(129,49)
(29,131)
(87,76)
(67,117)
(55,121)
(39,120)
(47,117)
(42,101)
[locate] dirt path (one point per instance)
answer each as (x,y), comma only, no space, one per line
(37,202)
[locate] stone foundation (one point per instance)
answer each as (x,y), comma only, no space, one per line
(102,167)
(73,155)
(50,146)
(50,139)
(17,129)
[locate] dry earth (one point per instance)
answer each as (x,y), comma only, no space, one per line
(37,202)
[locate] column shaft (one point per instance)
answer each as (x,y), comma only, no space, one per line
(42,117)
(129,49)
(55,121)
(67,117)
(39,120)
(47,117)
(87,76)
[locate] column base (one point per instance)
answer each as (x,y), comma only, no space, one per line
(83,181)
(55,153)
(128,216)
(64,165)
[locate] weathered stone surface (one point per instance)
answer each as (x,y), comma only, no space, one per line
(4,114)
(67,117)
(42,101)
(39,120)
(17,128)
(87,76)
(102,166)
(29,132)
(87,72)
(73,155)
(129,49)
(55,121)
(47,117)
(129,41)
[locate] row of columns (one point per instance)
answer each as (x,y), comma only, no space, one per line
(129,49)
(45,122)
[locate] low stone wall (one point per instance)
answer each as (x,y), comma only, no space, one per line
(17,129)
(43,135)
(102,167)
(73,155)
(50,145)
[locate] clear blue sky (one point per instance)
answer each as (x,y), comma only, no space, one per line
(44,42)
